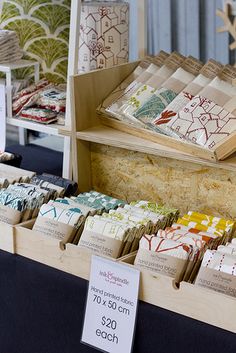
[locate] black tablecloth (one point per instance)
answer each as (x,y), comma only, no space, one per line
(41,311)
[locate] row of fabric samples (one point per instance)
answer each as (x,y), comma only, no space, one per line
(178,250)
(21,202)
(42,102)
(9,47)
(67,215)
(103,224)
(179,97)
(10,175)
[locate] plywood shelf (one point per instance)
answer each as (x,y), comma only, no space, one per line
(108,136)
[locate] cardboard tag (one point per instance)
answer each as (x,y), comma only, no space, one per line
(101,244)
(174,61)
(228,74)
(192,65)
(219,281)
(211,69)
(53,228)
(160,263)
(9,216)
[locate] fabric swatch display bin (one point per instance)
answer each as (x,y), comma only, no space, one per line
(199,303)
(49,251)
(219,152)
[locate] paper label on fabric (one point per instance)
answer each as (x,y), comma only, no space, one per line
(158,262)
(175,60)
(101,244)
(53,228)
(211,69)
(9,216)
(219,281)
(228,74)
(192,65)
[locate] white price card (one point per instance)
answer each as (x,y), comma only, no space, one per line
(2,118)
(111,307)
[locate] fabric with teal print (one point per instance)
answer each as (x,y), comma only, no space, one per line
(155,105)
(98,201)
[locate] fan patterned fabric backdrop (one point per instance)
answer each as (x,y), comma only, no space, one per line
(43,30)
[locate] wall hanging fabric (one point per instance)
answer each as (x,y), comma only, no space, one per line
(104,35)
(43,30)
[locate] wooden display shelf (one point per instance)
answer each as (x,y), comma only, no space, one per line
(51,129)
(112,137)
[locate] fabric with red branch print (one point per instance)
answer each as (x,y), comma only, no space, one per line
(172,109)
(167,246)
(165,117)
(184,237)
(203,122)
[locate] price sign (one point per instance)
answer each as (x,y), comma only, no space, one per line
(2,118)
(111,306)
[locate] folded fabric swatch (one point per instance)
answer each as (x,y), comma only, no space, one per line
(69,216)
(39,115)
(226,250)
(69,185)
(53,99)
(201,227)
(98,200)
(133,78)
(184,237)
(219,262)
(59,191)
(175,83)
(107,227)
(210,220)
(203,122)
(166,246)
(173,213)
(220,225)
(207,73)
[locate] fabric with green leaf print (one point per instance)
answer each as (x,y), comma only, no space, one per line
(154,106)
(138,99)
(43,30)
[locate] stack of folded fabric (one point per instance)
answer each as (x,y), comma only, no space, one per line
(190,237)
(218,269)
(41,102)
(25,199)
(9,47)
(10,175)
(68,215)
(122,228)
(179,97)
